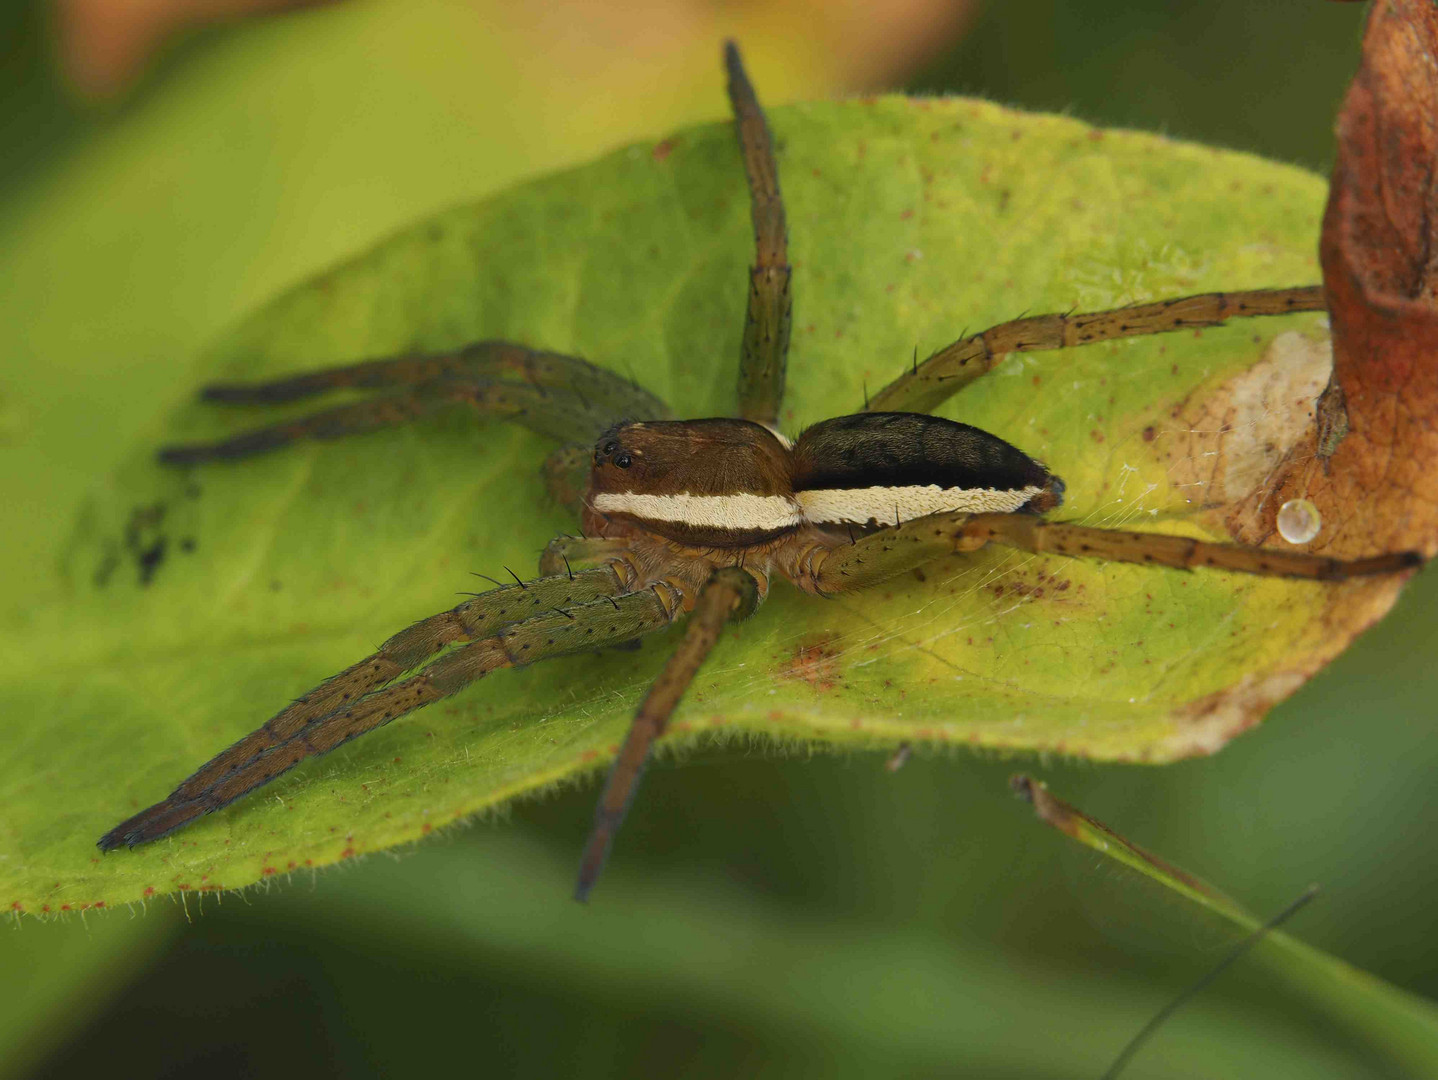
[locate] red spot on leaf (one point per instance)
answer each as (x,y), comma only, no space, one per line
(814,661)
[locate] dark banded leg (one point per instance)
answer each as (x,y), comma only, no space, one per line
(487,617)
(765,348)
(730,594)
(483,361)
(954,366)
(559,414)
(838,566)
(1030,533)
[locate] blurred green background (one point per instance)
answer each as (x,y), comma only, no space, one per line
(768,915)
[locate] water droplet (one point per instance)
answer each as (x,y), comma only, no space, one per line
(1299,521)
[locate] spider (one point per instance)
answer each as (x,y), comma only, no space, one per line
(694,517)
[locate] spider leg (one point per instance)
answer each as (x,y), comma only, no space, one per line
(731,593)
(1030,533)
(560,396)
(483,361)
(953,367)
(549,608)
(828,566)
(765,348)
(557,413)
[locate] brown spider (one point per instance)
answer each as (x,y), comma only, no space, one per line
(695,516)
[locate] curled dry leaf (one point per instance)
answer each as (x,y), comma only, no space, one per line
(1376,485)
(1369,457)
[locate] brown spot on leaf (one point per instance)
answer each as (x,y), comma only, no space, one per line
(1230,440)
(814,661)
(1213,720)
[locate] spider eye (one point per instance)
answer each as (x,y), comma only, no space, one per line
(623,461)
(609,447)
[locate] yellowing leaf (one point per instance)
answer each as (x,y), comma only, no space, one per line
(202,601)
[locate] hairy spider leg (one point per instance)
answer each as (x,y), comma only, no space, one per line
(731,594)
(932,382)
(482,361)
(557,413)
(1181,552)
(312,729)
(560,396)
(479,617)
(476,618)
(765,348)
(836,566)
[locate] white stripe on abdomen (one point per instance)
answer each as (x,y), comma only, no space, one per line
(886,504)
(742,512)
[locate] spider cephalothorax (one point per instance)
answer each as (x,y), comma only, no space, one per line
(696,516)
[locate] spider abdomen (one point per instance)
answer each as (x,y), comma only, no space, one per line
(886,468)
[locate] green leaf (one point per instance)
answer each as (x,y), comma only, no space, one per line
(1402,1025)
(910,221)
(810,990)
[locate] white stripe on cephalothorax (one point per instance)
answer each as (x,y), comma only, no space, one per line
(741,512)
(886,504)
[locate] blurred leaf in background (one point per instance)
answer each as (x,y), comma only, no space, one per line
(105,45)
(818,917)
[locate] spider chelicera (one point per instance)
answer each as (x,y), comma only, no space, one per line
(695,516)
